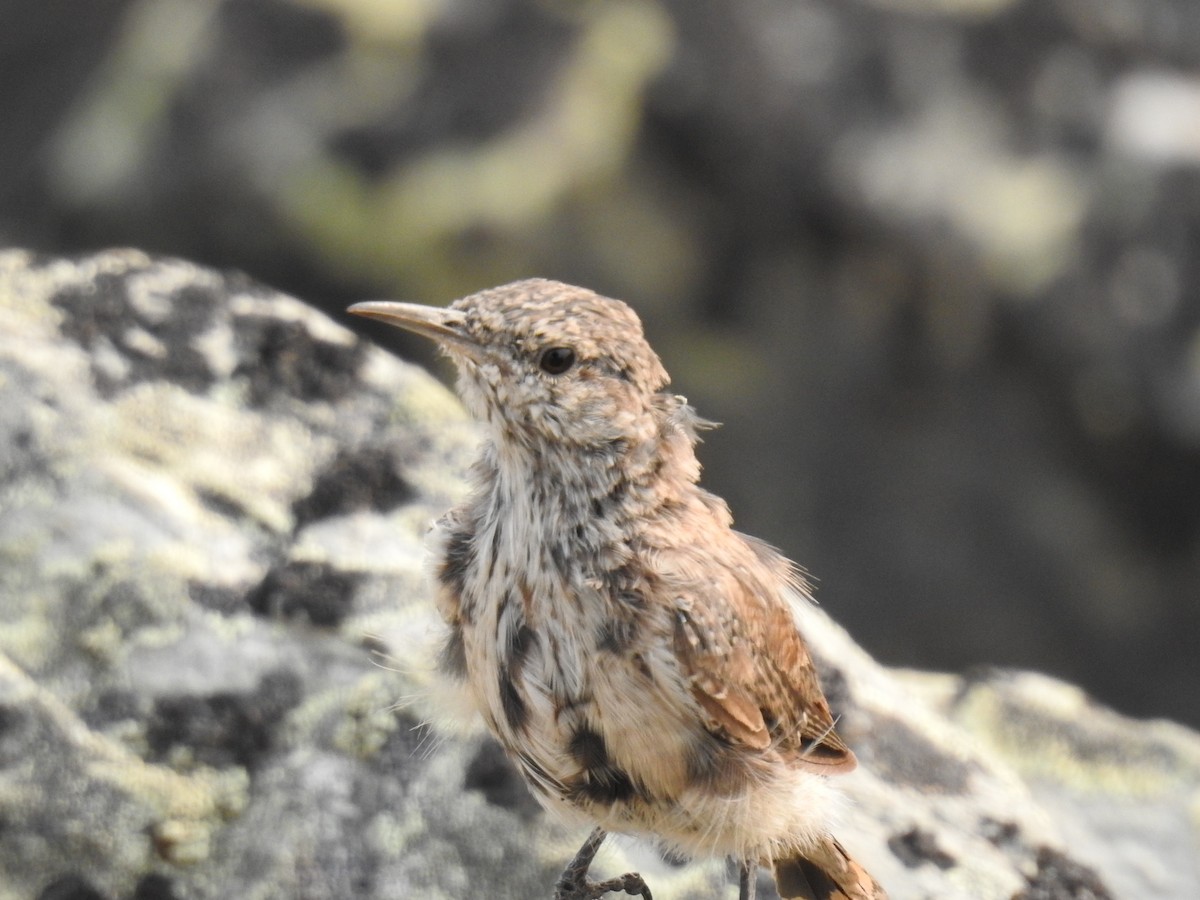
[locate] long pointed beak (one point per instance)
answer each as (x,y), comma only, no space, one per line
(446,326)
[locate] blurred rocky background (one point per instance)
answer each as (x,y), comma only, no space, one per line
(934,263)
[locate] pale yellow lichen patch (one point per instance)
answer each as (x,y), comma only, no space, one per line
(369,716)
(220,556)
(23,307)
(201,795)
(154,637)
(1059,736)
(1020,213)
(182,841)
(391,833)
(1025,215)
(248,460)
(362,714)
(205,797)
(102,148)
(103,641)
(28,640)
(406,223)
(384,21)
(368,542)
(34,631)
(303,719)
(420,399)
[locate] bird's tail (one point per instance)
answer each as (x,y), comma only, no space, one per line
(825,872)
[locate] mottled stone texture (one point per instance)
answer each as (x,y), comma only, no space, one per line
(213,665)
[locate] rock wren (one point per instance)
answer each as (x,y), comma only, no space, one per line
(636,657)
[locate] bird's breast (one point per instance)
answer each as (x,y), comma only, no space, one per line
(572,673)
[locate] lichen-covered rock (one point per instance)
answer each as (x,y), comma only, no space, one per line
(212,665)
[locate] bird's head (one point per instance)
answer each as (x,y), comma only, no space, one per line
(543,363)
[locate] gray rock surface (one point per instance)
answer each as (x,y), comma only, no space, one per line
(212,665)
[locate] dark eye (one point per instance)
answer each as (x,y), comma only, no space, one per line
(556,360)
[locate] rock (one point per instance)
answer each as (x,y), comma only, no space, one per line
(212,665)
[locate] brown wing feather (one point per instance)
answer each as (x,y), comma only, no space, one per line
(752,674)
(734,711)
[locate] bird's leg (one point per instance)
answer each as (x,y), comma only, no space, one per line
(747,879)
(573,884)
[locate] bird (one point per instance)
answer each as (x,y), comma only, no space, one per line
(636,657)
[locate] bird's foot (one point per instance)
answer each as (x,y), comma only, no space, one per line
(581,889)
(573,884)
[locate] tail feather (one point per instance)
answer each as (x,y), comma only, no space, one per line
(825,872)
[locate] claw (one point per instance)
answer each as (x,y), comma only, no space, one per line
(573,884)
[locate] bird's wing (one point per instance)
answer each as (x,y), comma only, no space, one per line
(751,673)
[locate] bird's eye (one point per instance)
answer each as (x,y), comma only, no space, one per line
(556,360)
